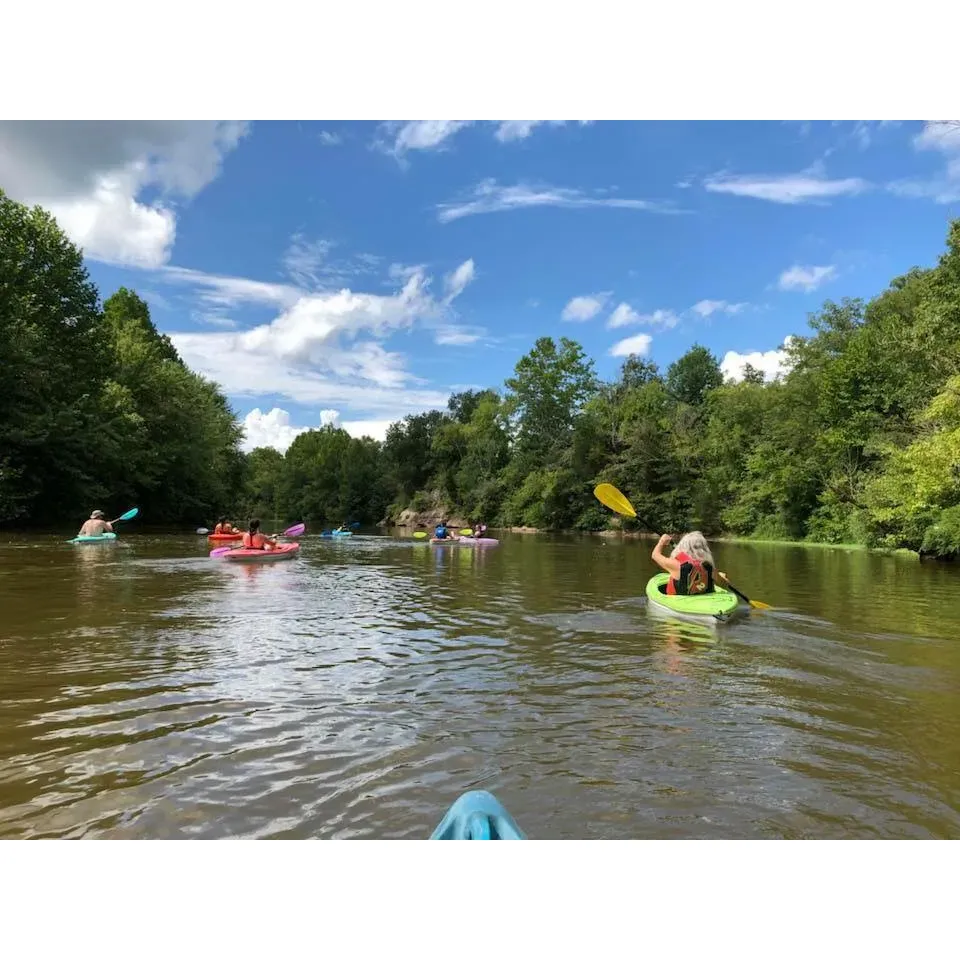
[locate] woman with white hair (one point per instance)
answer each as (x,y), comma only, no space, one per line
(690,565)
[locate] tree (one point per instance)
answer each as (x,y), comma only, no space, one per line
(56,361)
(694,375)
(547,391)
(407,453)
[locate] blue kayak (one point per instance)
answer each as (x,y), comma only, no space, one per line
(477,815)
(338,533)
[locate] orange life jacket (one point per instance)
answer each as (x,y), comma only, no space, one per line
(695,577)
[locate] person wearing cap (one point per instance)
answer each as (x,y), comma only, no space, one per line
(96,526)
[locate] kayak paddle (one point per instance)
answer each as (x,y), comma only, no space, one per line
(611,497)
(129,515)
(466,533)
(355,525)
(420,535)
(756,604)
(202,531)
(293,531)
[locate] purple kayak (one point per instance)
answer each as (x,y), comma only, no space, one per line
(479,541)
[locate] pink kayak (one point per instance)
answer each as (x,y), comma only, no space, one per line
(479,541)
(286,551)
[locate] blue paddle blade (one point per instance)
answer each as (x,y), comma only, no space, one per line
(354,525)
(130,514)
(477,815)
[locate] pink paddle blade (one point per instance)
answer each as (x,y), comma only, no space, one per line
(220,551)
(294,531)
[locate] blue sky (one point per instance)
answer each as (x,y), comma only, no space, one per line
(356,272)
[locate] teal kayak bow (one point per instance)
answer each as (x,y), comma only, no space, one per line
(477,815)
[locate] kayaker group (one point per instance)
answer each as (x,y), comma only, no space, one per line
(442,532)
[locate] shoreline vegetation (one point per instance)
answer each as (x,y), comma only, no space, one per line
(854,444)
(617,534)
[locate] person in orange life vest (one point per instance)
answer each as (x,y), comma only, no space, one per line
(690,565)
(224,526)
(255,540)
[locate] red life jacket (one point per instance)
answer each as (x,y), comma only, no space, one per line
(695,577)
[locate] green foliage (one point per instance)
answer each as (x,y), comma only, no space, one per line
(691,378)
(942,539)
(98,409)
(549,387)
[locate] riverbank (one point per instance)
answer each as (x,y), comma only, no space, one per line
(417,520)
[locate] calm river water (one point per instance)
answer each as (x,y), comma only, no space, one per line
(148,691)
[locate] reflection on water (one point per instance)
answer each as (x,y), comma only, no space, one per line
(148,691)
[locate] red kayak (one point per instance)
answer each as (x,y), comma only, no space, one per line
(286,551)
(224,537)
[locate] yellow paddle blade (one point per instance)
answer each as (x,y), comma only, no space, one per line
(611,497)
(420,535)
(760,605)
(465,532)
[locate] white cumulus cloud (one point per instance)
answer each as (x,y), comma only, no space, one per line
(622,316)
(638,345)
(806,279)
(92,176)
(322,348)
(579,309)
(274,429)
(772,363)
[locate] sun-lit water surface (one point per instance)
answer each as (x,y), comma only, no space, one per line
(148,691)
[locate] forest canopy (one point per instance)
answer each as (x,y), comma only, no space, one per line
(858,441)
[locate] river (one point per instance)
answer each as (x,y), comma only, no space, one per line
(147,691)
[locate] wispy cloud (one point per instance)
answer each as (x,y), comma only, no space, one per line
(638,345)
(806,279)
(942,136)
(309,263)
(788,188)
(422,134)
(329,139)
(579,309)
(706,308)
(457,281)
(400,137)
(508,130)
(490,197)
(450,335)
(224,291)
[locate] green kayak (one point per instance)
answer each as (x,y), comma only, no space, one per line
(702,608)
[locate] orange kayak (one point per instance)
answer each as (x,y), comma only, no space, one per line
(224,537)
